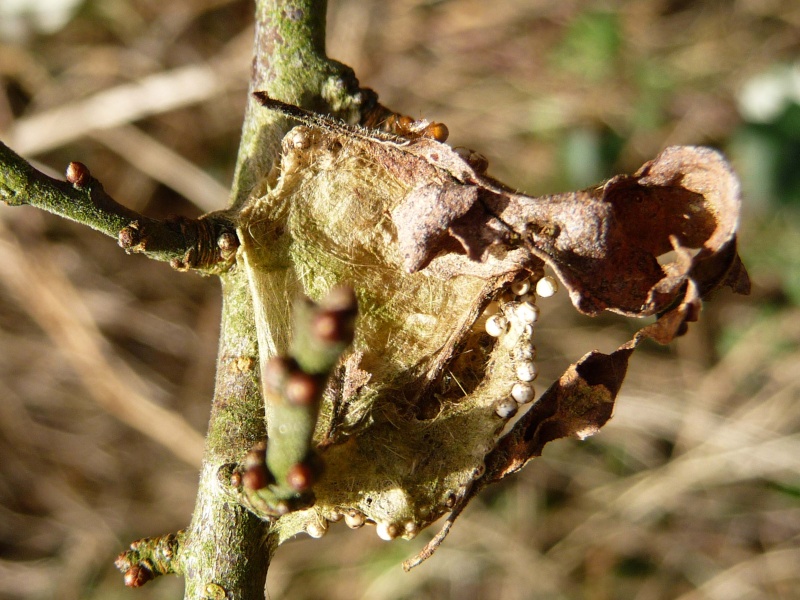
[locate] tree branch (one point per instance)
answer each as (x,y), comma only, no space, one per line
(207,243)
(290,64)
(226,545)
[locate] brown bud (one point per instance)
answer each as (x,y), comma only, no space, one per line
(78,174)
(128,237)
(256,456)
(137,576)
(342,298)
(333,326)
(302,389)
(256,477)
(300,476)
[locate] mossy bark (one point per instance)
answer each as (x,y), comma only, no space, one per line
(227,548)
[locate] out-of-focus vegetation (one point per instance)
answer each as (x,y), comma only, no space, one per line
(693,489)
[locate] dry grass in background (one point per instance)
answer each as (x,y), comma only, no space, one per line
(691,492)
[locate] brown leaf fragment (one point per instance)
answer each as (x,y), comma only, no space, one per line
(577,405)
(611,244)
(424,217)
(628,246)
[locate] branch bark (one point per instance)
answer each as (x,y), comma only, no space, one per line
(226,547)
(206,244)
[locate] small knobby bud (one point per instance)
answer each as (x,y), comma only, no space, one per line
(137,576)
(256,477)
(303,389)
(341,299)
(78,174)
(303,475)
(333,327)
(129,236)
(334,320)
(256,455)
(136,544)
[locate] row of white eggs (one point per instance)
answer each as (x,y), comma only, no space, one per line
(525,313)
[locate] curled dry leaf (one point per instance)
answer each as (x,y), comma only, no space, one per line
(409,429)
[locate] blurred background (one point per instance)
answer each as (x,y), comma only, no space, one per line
(692,491)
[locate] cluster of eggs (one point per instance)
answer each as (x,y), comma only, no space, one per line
(512,322)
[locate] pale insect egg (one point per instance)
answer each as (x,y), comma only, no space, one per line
(546,286)
(387,531)
(300,139)
(528,313)
(496,325)
(520,288)
(506,408)
(523,393)
(411,529)
(354,519)
(529,297)
(525,353)
(526,370)
(317,529)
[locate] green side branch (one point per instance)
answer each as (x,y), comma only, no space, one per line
(279,475)
(149,558)
(208,243)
